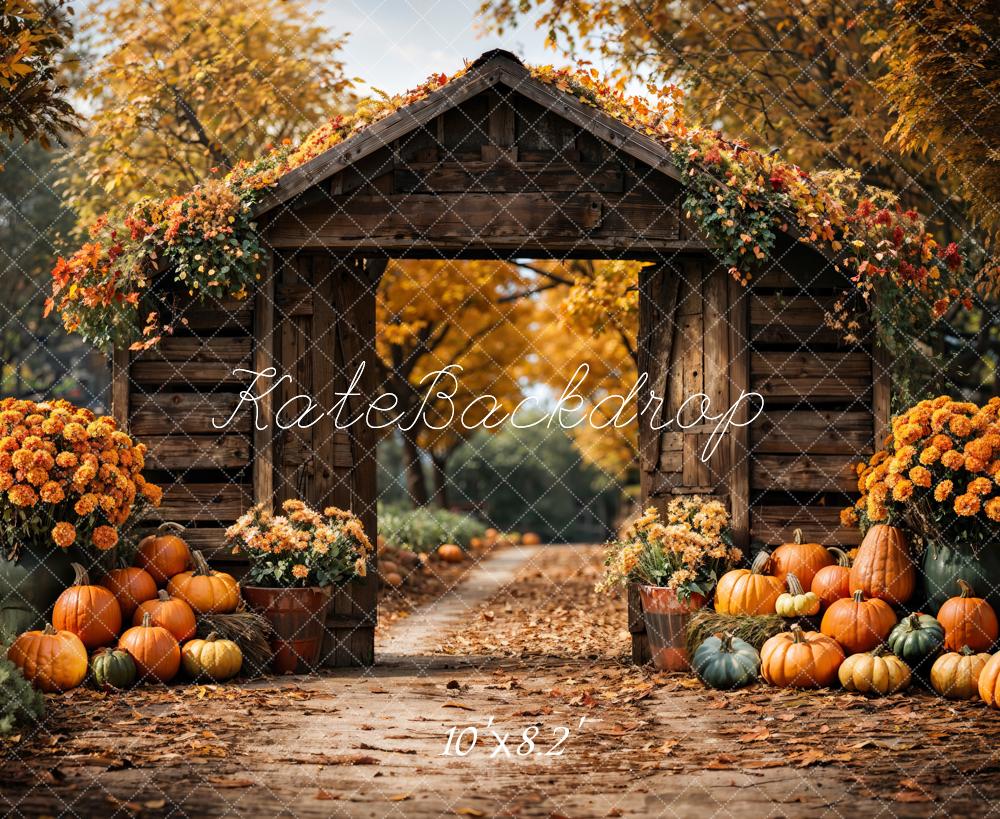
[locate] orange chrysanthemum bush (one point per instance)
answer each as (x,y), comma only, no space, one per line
(939,474)
(205,242)
(301,547)
(67,476)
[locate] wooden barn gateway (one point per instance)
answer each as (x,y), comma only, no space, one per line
(499,165)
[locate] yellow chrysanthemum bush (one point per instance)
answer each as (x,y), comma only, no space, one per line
(67,476)
(688,552)
(939,474)
(301,547)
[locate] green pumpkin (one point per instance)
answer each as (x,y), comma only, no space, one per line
(726,662)
(32,576)
(916,638)
(112,668)
(943,566)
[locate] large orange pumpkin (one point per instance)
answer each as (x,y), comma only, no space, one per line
(156,653)
(90,612)
(801,559)
(859,625)
(833,583)
(163,555)
(205,590)
(883,567)
(800,659)
(130,587)
(173,614)
(989,681)
(50,660)
(968,621)
(748,591)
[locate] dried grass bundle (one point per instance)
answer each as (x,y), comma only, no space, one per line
(755,629)
(249,630)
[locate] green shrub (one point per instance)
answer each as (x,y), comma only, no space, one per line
(425,529)
(19,702)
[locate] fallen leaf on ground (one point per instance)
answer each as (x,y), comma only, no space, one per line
(456,704)
(756,735)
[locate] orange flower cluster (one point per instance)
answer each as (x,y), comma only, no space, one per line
(942,453)
(301,547)
(740,197)
(69,472)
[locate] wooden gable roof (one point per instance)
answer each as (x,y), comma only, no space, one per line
(492,69)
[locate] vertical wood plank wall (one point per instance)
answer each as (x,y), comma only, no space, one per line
(314,319)
(825,400)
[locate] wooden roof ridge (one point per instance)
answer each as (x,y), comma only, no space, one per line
(492,68)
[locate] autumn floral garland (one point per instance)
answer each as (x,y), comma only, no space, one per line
(207,243)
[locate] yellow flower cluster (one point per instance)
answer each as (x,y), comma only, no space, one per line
(65,465)
(690,548)
(301,543)
(940,448)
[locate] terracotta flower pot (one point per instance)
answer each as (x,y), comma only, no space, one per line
(666,619)
(297,617)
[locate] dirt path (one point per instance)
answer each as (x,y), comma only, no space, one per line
(541,653)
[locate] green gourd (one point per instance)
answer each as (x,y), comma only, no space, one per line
(113,668)
(916,638)
(726,662)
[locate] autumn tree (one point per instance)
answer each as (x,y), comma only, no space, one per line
(592,320)
(435,314)
(793,75)
(943,83)
(185,87)
(34,38)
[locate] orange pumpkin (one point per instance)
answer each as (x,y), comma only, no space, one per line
(833,583)
(174,615)
(989,682)
(156,653)
(90,612)
(450,553)
(531,539)
(968,621)
(205,590)
(801,559)
(883,567)
(800,659)
(748,591)
(50,660)
(859,625)
(163,555)
(130,587)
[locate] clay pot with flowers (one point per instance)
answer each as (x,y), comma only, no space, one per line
(296,560)
(69,480)
(673,565)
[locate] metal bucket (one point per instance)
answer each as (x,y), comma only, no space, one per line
(666,619)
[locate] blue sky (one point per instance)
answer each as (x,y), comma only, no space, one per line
(395,44)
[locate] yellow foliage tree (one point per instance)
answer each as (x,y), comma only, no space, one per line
(435,314)
(187,86)
(592,320)
(791,74)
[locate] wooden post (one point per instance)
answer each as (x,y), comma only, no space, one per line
(263,357)
(120,387)
(739,436)
(881,393)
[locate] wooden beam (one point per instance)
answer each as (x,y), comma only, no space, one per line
(183,452)
(881,394)
(774,525)
(738,321)
(359,221)
(812,376)
(829,432)
(120,386)
(191,413)
(803,473)
(263,357)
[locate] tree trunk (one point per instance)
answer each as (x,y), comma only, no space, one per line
(439,464)
(416,483)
